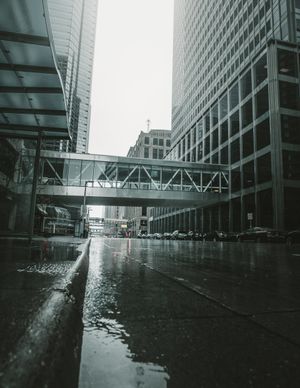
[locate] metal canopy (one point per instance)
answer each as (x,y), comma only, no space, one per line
(32,98)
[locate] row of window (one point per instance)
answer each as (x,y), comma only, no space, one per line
(157,153)
(157,142)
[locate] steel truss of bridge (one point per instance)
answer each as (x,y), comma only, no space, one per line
(122,181)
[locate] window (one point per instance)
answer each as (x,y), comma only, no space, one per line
(290,129)
(155,153)
(214,115)
(246,85)
(146,152)
(235,180)
(287,63)
(168,143)
(223,107)
(291,165)
(234,96)
(260,71)
(224,155)
(248,174)
(234,124)
(247,113)
(289,95)
(224,131)
(248,147)
(160,153)
(147,140)
(215,139)
(207,146)
(161,142)
(262,101)
(262,134)
(200,151)
(155,141)
(235,151)
(264,173)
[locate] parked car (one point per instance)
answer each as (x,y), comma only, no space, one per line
(157,236)
(293,237)
(262,234)
(179,235)
(195,236)
(216,235)
(167,236)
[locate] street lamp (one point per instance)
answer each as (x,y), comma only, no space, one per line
(84,212)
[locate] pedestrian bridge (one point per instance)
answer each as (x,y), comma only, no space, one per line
(122,181)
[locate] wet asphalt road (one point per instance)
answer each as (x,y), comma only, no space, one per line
(190,314)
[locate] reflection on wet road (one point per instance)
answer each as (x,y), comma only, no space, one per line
(191,314)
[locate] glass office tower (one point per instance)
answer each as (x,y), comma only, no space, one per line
(236,102)
(73,25)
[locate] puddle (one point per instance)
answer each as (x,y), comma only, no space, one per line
(107,362)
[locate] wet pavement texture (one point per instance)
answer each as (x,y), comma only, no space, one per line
(27,276)
(191,314)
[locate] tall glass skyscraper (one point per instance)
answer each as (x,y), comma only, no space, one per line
(73,25)
(236,102)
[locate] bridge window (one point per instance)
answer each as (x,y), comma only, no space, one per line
(87,171)
(74,172)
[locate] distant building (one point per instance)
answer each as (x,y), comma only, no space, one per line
(154,144)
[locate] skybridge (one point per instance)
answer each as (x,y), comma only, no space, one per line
(110,180)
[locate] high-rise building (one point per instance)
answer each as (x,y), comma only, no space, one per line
(236,102)
(73,24)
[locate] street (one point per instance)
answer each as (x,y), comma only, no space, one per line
(191,314)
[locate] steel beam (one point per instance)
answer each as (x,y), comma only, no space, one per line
(24,38)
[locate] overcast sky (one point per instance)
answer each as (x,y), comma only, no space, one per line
(132,77)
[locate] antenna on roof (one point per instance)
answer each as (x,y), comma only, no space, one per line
(148,124)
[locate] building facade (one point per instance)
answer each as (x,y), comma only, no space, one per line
(236,102)
(154,144)
(73,24)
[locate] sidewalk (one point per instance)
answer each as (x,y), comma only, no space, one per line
(41,295)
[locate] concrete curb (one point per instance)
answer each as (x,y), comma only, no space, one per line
(48,355)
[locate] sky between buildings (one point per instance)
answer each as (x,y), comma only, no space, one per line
(132,77)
